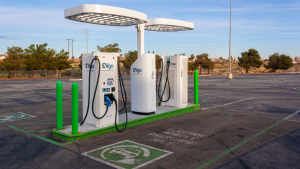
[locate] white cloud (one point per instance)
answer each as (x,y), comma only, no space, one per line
(245,8)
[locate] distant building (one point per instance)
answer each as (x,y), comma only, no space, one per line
(2,57)
(218,60)
(76,60)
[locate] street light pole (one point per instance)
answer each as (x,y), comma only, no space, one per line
(229,73)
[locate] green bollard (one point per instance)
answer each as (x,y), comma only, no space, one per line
(75,108)
(59,105)
(196,86)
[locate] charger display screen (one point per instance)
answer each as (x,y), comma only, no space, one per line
(110,81)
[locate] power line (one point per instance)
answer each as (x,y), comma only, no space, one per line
(69,46)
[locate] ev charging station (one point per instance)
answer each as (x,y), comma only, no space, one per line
(107,84)
(175,75)
(101,75)
(173,83)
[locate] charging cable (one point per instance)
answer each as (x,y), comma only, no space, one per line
(160,96)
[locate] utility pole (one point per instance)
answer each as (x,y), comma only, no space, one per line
(87,41)
(72,53)
(229,73)
(72,50)
(69,46)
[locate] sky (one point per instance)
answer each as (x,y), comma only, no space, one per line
(268,26)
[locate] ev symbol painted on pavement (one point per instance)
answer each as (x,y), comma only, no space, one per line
(127,154)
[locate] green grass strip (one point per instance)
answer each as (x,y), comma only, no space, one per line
(218,157)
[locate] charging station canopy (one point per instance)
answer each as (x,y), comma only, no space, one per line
(168,25)
(105,15)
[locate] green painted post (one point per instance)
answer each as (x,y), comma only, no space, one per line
(196,86)
(75,108)
(59,105)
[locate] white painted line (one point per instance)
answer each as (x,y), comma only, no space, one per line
(27,97)
(30,101)
(294,121)
(228,103)
(31,116)
(292,115)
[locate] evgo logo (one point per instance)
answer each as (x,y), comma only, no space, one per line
(107,65)
(137,70)
(87,65)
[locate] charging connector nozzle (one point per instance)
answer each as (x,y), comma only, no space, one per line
(108,101)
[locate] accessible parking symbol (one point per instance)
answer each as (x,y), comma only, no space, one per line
(127,154)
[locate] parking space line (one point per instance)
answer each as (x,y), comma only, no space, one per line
(37,136)
(218,157)
(288,117)
(294,121)
(252,115)
(32,101)
(228,103)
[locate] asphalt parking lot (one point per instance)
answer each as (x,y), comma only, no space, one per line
(251,121)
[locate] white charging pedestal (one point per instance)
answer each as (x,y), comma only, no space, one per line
(143,82)
(108,83)
(178,78)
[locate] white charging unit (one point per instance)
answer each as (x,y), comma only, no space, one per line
(108,83)
(143,85)
(178,79)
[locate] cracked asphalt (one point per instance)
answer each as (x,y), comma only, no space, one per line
(242,124)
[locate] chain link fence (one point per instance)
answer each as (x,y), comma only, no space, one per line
(41,73)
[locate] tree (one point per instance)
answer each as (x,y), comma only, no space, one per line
(50,62)
(130,57)
(192,57)
(35,55)
(277,61)
(62,61)
(192,66)
(286,62)
(250,58)
(1,66)
(157,62)
(80,64)
(221,58)
(201,60)
(209,65)
(110,48)
(14,60)
(182,54)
